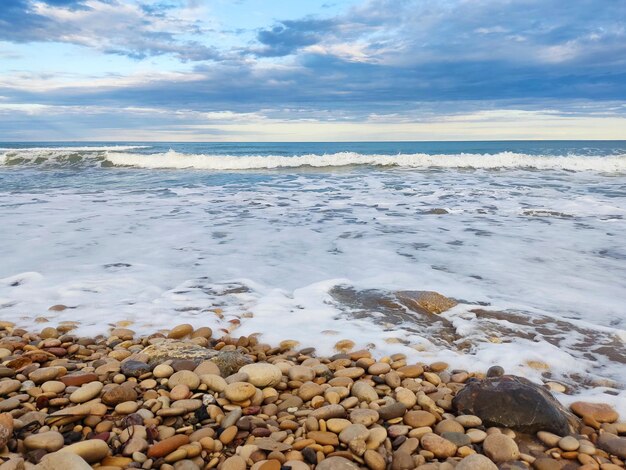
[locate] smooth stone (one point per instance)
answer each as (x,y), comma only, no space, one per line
(419,418)
(214,382)
(234,463)
(459,439)
(185,377)
(86,392)
(9,386)
(50,441)
(440,447)
(363,416)
(167,446)
(180,331)
(6,429)
(76,380)
(569,443)
(516,403)
(135,444)
(324,438)
(613,444)
(336,463)
(353,432)
(162,371)
(239,391)
(500,448)
(395,410)
(309,390)
(476,462)
(119,394)
(63,460)
(53,386)
(328,412)
(337,425)
(469,421)
(598,412)
(43,374)
(134,368)
(546,463)
(262,374)
(374,460)
(301,373)
(92,450)
(364,392)
(449,425)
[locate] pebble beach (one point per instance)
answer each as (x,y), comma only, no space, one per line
(188,399)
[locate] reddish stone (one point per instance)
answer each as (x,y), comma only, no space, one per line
(167,446)
(78,379)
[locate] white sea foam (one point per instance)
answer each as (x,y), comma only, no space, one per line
(172,160)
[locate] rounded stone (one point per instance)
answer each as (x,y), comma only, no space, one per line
(500,448)
(86,392)
(364,416)
(162,371)
(301,373)
(569,443)
(374,460)
(440,447)
(364,392)
(476,462)
(449,425)
(353,432)
(167,446)
(214,382)
(180,331)
(419,418)
(185,377)
(239,391)
(262,374)
(43,374)
(599,412)
(63,460)
(336,463)
(92,450)
(234,463)
(50,441)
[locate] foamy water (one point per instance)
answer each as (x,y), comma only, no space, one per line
(265,235)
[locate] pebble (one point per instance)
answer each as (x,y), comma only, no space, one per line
(234,463)
(262,374)
(239,391)
(500,448)
(50,441)
(569,443)
(63,460)
(86,392)
(336,463)
(185,377)
(476,462)
(92,450)
(440,447)
(595,412)
(167,446)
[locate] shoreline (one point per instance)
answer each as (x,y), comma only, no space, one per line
(180,401)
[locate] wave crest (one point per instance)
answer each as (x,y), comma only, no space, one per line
(176,160)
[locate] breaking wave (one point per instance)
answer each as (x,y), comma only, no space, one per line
(123,156)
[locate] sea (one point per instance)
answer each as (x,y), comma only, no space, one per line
(320,242)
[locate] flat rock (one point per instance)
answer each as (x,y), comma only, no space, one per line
(514,402)
(595,412)
(174,349)
(425,301)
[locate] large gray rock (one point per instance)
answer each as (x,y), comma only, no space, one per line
(514,402)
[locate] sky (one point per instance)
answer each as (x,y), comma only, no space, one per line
(312,70)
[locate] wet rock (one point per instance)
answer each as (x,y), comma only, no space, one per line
(516,403)
(134,368)
(174,349)
(229,362)
(594,413)
(425,301)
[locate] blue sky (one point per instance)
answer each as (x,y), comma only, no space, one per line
(312,70)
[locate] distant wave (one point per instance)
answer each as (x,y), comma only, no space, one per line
(122,156)
(173,160)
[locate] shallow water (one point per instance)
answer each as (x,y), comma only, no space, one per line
(266,234)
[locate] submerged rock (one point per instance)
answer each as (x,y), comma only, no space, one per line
(425,301)
(514,402)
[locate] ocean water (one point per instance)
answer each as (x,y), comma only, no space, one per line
(311,241)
